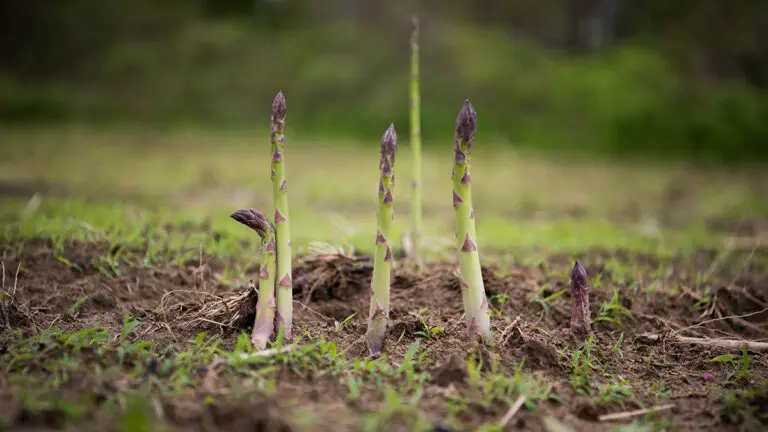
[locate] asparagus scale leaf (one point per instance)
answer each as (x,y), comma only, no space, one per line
(264,324)
(382,262)
(415,111)
(472,287)
(284,279)
(580,319)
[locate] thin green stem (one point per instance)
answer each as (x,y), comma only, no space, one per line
(284,279)
(415,105)
(264,325)
(382,262)
(472,287)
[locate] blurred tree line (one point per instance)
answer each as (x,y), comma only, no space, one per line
(682,78)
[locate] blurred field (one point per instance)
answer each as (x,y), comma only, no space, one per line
(108,177)
(667,89)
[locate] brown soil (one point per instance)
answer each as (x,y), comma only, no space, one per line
(171,302)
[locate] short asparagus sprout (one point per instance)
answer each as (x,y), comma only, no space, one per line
(264,324)
(382,261)
(471,282)
(579,300)
(415,105)
(282,228)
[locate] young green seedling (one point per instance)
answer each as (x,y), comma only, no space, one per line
(472,287)
(579,300)
(282,227)
(416,211)
(382,261)
(264,324)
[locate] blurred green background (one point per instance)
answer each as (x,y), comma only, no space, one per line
(645,78)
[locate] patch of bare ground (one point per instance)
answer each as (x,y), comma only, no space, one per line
(530,325)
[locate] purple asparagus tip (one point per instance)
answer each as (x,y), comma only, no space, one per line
(580,318)
(579,274)
(253,219)
(466,122)
(278,107)
(388,149)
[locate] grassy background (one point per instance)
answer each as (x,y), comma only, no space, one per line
(119,181)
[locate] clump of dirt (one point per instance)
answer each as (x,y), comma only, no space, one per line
(331,276)
(13,315)
(453,370)
(251,412)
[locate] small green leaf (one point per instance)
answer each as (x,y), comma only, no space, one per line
(354,387)
(554,296)
(723,358)
(409,356)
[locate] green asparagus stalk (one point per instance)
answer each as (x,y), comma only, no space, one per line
(415,105)
(579,300)
(282,228)
(382,261)
(472,289)
(264,324)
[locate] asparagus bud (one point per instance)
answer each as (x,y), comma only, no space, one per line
(471,282)
(579,300)
(415,105)
(253,219)
(264,324)
(382,262)
(282,227)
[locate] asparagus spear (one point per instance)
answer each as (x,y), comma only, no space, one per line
(382,261)
(282,228)
(265,308)
(579,300)
(472,288)
(416,210)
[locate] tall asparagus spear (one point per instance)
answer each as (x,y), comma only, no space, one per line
(382,261)
(265,308)
(579,300)
(282,227)
(416,210)
(472,288)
